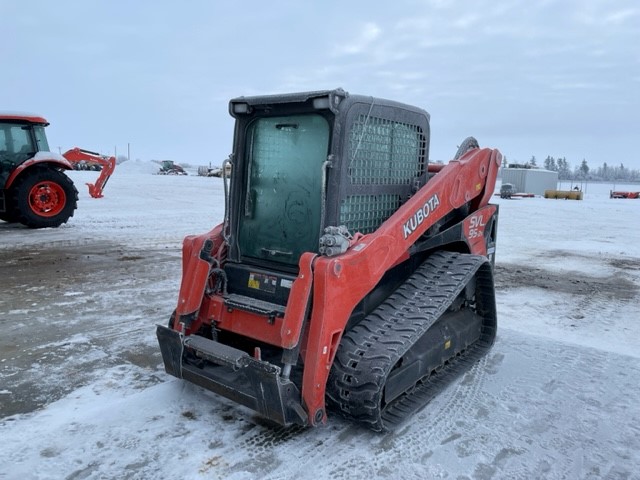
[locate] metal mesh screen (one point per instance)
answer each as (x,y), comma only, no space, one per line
(365,213)
(384,152)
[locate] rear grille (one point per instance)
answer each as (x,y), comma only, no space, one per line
(365,213)
(384,152)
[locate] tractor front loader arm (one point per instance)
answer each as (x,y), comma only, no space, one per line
(77,155)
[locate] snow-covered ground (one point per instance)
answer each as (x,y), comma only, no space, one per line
(83,393)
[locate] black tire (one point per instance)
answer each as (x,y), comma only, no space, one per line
(43,197)
(469,143)
(9,215)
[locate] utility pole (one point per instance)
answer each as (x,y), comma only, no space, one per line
(128,151)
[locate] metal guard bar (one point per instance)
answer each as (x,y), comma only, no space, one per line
(232,373)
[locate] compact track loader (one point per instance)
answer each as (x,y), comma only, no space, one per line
(349,274)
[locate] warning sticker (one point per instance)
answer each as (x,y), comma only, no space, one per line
(264,283)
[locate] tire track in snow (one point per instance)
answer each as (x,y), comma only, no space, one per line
(530,408)
(268,447)
(339,435)
(440,420)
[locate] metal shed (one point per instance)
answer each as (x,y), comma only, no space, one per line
(530,180)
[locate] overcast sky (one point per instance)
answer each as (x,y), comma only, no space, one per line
(559,78)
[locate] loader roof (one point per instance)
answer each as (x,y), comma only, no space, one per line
(287,97)
(320,99)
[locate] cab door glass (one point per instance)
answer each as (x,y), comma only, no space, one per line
(280,215)
(16,144)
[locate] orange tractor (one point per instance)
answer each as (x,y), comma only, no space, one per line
(348,275)
(34,190)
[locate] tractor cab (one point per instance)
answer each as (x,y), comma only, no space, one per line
(20,139)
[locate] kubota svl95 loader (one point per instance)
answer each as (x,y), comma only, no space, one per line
(348,274)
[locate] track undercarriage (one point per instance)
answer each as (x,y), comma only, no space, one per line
(393,362)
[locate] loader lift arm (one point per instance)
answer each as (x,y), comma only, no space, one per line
(108,164)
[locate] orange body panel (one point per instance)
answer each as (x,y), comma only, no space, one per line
(55,160)
(474,229)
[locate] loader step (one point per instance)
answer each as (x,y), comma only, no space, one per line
(260,307)
(417,341)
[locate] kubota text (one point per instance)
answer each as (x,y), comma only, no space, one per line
(420,215)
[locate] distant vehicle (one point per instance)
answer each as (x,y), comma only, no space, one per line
(168,167)
(617,194)
(507,190)
(214,171)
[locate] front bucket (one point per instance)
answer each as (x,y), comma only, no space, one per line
(232,373)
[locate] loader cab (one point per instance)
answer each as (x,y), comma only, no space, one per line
(20,138)
(302,162)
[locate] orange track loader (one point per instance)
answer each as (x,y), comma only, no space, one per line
(348,275)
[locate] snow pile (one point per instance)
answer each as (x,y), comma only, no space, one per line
(137,166)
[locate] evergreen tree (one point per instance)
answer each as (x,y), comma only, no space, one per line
(550,163)
(622,172)
(605,172)
(564,172)
(584,169)
(532,162)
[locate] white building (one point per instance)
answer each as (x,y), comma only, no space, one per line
(530,180)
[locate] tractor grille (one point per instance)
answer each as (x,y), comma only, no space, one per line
(384,152)
(365,213)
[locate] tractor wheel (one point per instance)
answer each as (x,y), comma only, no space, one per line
(43,197)
(468,144)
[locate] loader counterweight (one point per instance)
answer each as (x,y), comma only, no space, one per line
(334,222)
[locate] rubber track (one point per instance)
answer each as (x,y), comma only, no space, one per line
(368,352)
